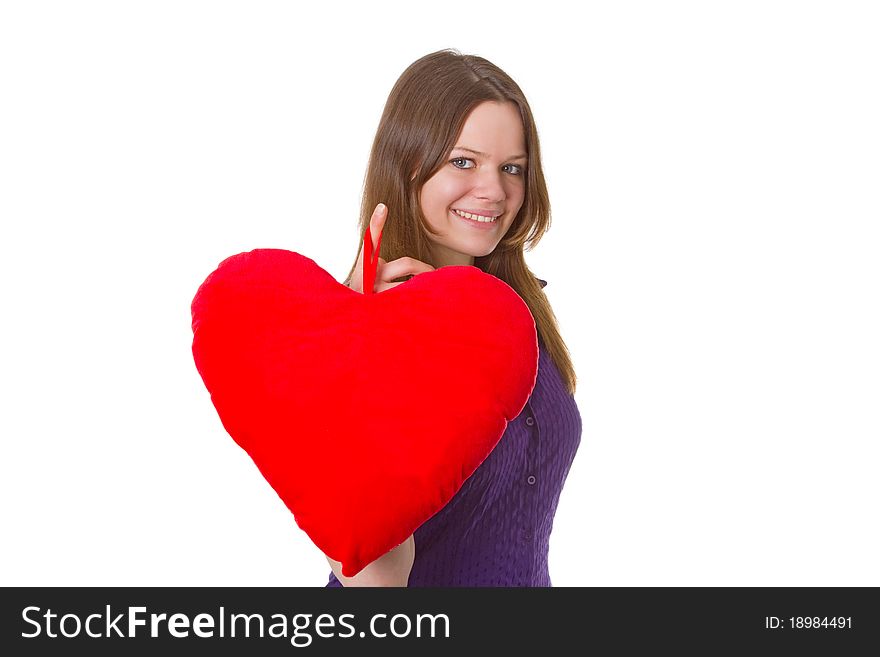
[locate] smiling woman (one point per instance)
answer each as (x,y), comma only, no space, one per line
(483,198)
(455,178)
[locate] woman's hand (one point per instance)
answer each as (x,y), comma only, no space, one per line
(391,569)
(385,271)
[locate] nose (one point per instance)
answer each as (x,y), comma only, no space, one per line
(490,186)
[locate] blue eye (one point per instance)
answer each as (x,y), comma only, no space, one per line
(519,168)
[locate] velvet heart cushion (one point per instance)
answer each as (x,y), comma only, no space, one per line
(364,412)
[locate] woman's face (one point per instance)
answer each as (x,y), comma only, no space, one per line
(490,182)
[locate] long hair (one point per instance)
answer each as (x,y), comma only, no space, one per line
(424,115)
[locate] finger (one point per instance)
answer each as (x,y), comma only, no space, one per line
(377,222)
(402,267)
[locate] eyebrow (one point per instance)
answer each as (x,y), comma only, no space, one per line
(523,156)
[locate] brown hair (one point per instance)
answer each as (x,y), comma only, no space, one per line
(424,115)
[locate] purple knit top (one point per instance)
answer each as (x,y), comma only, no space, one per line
(495,531)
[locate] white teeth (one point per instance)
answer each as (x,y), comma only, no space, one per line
(475,217)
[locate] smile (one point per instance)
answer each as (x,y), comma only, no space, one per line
(475,217)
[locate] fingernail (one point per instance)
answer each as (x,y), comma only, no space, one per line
(380,208)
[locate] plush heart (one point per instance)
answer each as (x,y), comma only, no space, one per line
(365,412)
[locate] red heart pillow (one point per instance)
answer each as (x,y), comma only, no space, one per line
(365,412)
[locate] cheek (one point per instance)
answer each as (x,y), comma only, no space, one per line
(511,219)
(517,193)
(446,191)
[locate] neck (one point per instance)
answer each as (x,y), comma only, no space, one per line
(445,257)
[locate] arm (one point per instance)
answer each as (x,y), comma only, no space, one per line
(391,569)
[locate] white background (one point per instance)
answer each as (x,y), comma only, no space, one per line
(713,262)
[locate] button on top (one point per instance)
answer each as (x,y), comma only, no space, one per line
(531,480)
(530,420)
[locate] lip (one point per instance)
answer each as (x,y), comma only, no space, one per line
(480,225)
(482,213)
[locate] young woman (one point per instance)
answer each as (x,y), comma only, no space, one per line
(455,178)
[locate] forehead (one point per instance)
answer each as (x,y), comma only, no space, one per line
(495,129)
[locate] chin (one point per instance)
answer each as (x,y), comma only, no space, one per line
(477,252)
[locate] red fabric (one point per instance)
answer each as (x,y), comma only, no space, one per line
(405,392)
